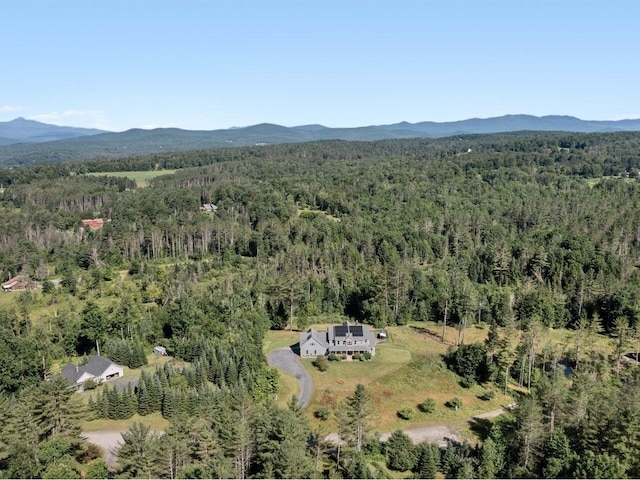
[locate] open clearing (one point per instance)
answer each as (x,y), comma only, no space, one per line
(141,178)
(406,369)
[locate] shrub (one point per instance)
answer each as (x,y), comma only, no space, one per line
(333,357)
(428,406)
(321,363)
(48,286)
(406,413)
(90,384)
(323,412)
(487,395)
(366,355)
(467,382)
(455,403)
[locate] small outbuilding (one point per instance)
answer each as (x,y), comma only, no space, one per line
(160,351)
(209,208)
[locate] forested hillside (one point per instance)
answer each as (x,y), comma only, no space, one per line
(524,232)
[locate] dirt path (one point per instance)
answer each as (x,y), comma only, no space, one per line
(108,441)
(440,434)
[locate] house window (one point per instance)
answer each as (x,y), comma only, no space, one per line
(306,352)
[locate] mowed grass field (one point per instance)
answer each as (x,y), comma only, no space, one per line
(406,370)
(140,177)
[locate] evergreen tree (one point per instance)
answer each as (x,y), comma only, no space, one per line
(401,454)
(491,460)
(428,457)
(144,399)
(358,409)
(137,456)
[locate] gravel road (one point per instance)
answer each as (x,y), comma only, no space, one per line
(439,434)
(109,441)
(285,360)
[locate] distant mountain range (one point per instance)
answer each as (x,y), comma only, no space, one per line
(21,130)
(24,142)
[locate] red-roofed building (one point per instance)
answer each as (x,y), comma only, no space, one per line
(18,283)
(93,223)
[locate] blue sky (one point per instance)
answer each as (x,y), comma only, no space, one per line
(216,64)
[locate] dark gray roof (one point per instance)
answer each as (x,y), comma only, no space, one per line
(72,372)
(96,366)
(346,330)
(319,337)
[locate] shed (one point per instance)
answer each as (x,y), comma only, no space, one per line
(160,351)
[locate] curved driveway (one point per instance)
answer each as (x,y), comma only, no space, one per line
(285,360)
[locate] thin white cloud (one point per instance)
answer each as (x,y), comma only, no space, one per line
(11,108)
(75,118)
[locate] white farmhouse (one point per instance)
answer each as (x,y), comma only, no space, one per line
(99,369)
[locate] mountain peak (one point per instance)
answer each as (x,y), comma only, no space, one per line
(22,130)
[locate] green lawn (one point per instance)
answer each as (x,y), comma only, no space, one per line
(140,177)
(406,370)
(155,421)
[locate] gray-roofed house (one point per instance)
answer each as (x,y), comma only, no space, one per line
(99,369)
(345,340)
(313,343)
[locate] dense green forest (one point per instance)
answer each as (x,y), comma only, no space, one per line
(520,231)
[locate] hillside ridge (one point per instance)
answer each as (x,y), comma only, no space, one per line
(40,142)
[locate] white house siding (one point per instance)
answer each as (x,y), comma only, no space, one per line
(113,371)
(85,376)
(311,348)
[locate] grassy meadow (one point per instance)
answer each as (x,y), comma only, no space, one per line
(141,178)
(407,369)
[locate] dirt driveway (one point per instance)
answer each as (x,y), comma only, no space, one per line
(440,434)
(109,441)
(286,360)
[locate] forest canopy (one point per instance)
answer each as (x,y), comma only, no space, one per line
(518,231)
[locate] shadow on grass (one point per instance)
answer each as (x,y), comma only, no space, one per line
(481,426)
